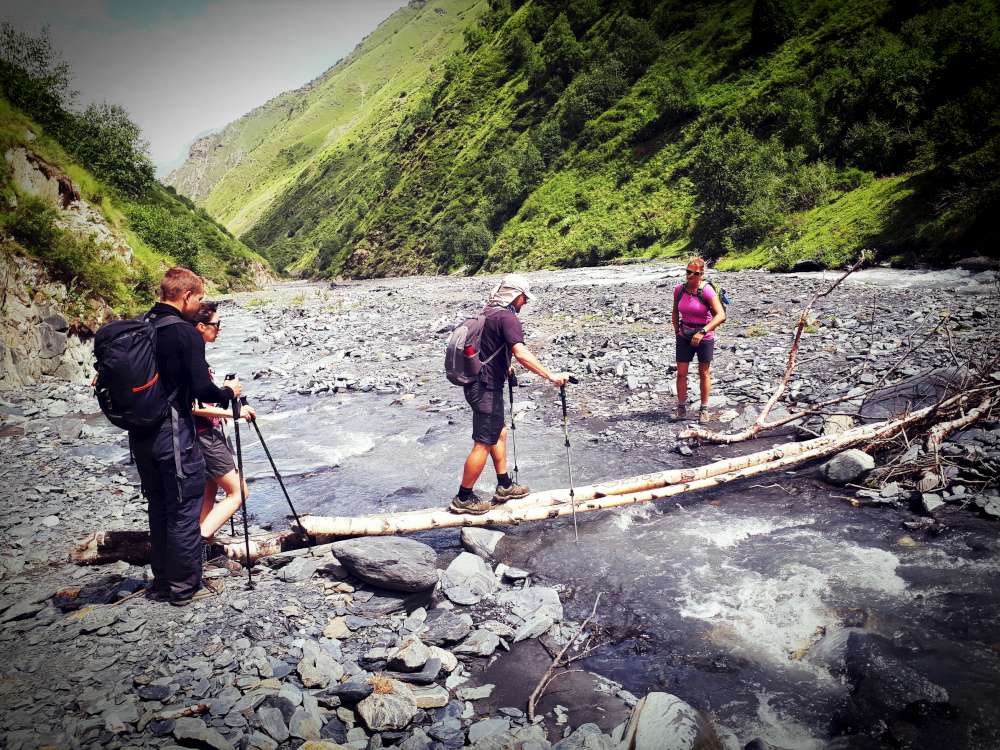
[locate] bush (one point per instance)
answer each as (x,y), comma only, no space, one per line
(590,94)
(111,145)
(633,43)
(467,243)
(771,23)
(561,55)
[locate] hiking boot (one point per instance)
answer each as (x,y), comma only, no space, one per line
(680,413)
(703,416)
(474,505)
(515,491)
(210,588)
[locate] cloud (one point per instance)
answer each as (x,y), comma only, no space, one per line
(203,64)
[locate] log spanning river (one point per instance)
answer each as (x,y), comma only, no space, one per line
(774,605)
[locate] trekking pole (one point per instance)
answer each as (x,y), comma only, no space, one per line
(569,456)
(277,476)
(232,521)
(511,382)
(243,494)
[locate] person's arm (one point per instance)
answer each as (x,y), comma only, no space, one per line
(246,412)
(202,387)
(530,362)
(675,317)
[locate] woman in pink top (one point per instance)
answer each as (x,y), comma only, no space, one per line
(697,313)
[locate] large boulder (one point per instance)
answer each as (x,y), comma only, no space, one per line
(847,467)
(444,627)
(482,542)
(662,721)
(390,562)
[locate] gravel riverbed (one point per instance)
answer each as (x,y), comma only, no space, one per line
(288,663)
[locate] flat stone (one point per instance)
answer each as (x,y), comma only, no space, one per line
(351,691)
(481,542)
(427,674)
(930,502)
(336,628)
(317,668)
(480,643)
(192,732)
(533,627)
(304,726)
(260,741)
(301,569)
(445,626)
(154,692)
(395,563)
(487,728)
(430,696)
(475,693)
(410,656)
(386,711)
(272,722)
(540,600)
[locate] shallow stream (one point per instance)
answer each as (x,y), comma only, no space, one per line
(739,600)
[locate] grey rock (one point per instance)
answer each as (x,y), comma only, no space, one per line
(334,730)
(304,725)
(272,722)
(154,692)
(586,737)
(479,643)
(930,502)
(448,732)
(468,579)
(390,562)
(475,693)
(410,656)
(350,692)
(260,741)
(53,342)
(533,627)
(430,696)
(300,569)
(481,542)
(416,741)
(317,668)
(662,721)
(386,711)
(282,703)
(445,626)
(192,732)
(487,728)
(539,600)
(847,467)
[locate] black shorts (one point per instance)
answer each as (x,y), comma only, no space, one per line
(686,352)
(218,454)
(487,413)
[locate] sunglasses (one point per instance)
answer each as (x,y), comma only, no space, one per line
(216,325)
(692,273)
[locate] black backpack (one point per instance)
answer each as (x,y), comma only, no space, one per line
(128,385)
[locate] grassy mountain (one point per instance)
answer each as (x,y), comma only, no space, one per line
(112,230)
(565,133)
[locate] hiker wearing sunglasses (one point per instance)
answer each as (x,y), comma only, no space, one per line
(220,469)
(502,338)
(697,312)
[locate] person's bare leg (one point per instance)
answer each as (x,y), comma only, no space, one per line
(474,464)
(705,381)
(682,382)
(498,453)
(208,502)
(224,510)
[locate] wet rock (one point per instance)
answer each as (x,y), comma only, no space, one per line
(468,579)
(847,467)
(662,720)
(481,542)
(393,710)
(587,737)
(301,569)
(410,656)
(192,732)
(445,626)
(394,563)
(883,682)
(533,627)
(272,722)
(448,732)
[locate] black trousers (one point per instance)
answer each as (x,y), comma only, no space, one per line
(172,471)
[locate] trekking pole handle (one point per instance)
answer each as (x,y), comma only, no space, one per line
(573,379)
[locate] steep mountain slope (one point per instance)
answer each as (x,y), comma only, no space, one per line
(236,174)
(565,133)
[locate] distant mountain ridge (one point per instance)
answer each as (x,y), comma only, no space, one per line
(532,133)
(237,172)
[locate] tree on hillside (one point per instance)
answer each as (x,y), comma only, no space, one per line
(771,23)
(112,145)
(561,56)
(33,75)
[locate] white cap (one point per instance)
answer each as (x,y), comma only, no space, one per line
(512,287)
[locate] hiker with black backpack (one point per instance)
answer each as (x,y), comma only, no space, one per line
(697,312)
(479,359)
(149,371)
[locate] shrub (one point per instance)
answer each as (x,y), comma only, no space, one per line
(771,23)
(590,94)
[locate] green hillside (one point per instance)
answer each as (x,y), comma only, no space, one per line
(758,132)
(99,152)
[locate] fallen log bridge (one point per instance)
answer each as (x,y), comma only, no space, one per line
(133,545)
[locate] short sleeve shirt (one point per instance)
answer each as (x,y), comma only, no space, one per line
(502,329)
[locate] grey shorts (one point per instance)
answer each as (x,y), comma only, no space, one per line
(686,352)
(218,454)
(487,413)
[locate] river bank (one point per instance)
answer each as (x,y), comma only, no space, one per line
(759,605)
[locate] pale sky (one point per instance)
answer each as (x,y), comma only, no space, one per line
(185,67)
